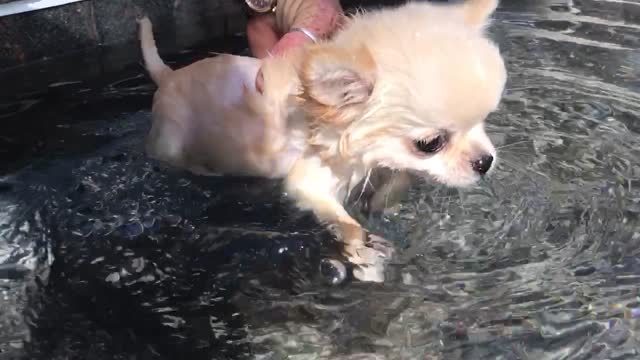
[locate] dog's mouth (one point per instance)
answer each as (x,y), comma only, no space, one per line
(458,182)
(469,178)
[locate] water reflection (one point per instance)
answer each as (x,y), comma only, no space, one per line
(108,255)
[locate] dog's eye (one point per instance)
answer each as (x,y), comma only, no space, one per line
(432,145)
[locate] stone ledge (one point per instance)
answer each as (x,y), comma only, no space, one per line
(57,31)
(96,38)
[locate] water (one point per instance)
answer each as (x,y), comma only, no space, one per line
(107,255)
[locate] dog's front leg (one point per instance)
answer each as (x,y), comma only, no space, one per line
(314,187)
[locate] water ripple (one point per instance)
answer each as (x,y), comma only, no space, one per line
(122,257)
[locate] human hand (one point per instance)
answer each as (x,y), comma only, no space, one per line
(319,17)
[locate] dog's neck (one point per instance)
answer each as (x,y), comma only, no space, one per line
(328,145)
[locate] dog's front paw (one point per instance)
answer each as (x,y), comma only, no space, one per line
(381,245)
(369,272)
(369,258)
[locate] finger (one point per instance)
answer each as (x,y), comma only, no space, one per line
(261,34)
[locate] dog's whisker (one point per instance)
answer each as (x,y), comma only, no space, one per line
(517,88)
(507,161)
(516,152)
(393,180)
(512,166)
(519,168)
(511,154)
(440,197)
(512,144)
(367,181)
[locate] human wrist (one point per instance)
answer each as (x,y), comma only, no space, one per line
(322,18)
(291,40)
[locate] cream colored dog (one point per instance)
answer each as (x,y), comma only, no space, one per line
(209,118)
(405,89)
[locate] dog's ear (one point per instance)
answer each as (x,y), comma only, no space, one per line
(335,77)
(477,12)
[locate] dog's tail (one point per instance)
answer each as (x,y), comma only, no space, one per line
(153,63)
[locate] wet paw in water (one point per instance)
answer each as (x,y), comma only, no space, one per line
(373,258)
(541,258)
(381,245)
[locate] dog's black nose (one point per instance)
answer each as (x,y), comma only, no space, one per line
(482,165)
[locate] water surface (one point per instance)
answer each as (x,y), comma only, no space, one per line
(108,255)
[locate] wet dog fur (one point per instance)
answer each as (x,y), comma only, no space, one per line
(405,89)
(398,91)
(209,118)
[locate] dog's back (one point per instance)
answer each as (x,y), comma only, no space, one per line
(208,117)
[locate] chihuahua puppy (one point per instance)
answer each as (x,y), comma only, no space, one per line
(209,118)
(405,89)
(398,92)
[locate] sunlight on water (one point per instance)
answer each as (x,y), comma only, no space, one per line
(106,253)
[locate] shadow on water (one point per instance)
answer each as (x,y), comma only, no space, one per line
(108,255)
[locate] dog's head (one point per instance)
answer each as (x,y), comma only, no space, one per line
(409,88)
